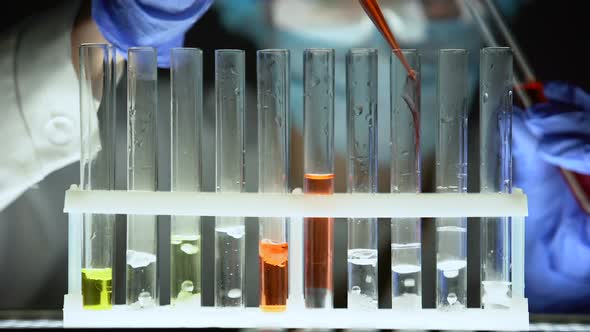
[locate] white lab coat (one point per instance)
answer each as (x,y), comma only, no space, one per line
(39,147)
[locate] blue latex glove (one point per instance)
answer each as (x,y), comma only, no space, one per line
(157,23)
(545,137)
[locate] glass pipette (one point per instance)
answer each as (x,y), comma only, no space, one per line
(374,12)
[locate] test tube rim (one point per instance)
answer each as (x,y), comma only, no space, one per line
(453,51)
(229,50)
(405,51)
(195,50)
(96,45)
(141,48)
(496,49)
(362,50)
(273,51)
(320,50)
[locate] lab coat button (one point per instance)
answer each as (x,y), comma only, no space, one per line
(59,130)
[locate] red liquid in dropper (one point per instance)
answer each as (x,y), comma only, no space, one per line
(374,12)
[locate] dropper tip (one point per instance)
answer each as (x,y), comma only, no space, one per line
(413,75)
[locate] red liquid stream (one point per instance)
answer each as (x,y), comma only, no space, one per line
(274,272)
(319,237)
(374,12)
(410,96)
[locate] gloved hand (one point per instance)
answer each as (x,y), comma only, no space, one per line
(546,137)
(157,23)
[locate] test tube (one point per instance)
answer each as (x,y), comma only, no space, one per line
(318,141)
(451,177)
(495,113)
(186,76)
(405,178)
(229,154)
(273,174)
(97,169)
(361,108)
(141,167)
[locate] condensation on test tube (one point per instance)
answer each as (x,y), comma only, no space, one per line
(186,76)
(97,169)
(229,160)
(361,108)
(318,141)
(451,177)
(406,244)
(273,68)
(495,114)
(142,284)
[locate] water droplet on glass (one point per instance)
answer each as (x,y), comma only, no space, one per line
(145,299)
(452,298)
(358,110)
(189,249)
(485,97)
(234,293)
(187,286)
(451,273)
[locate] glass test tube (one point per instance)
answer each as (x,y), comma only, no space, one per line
(186,76)
(451,177)
(97,169)
(495,107)
(405,178)
(318,138)
(141,167)
(273,174)
(229,154)
(361,108)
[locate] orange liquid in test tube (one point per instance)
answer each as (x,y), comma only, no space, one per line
(319,234)
(274,268)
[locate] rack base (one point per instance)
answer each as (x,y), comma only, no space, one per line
(516,318)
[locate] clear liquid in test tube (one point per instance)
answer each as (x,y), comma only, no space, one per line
(97,171)
(273,68)
(451,177)
(495,107)
(406,244)
(229,160)
(361,108)
(142,284)
(318,140)
(186,76)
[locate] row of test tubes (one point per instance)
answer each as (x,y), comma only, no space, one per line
(97,95)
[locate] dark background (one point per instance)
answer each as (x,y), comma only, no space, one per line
(553,35)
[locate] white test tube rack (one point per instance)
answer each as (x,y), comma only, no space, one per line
(296,205)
